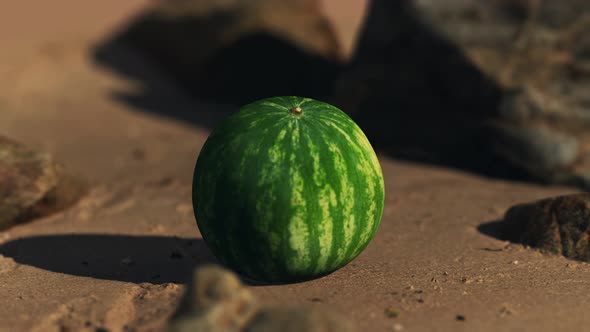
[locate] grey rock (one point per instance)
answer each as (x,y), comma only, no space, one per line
(214,301)
(535,51)
(546,153)
(309,319)
(559,225)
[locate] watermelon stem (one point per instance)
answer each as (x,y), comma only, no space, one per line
(296,110)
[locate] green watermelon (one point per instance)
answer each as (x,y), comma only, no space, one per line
(287,189)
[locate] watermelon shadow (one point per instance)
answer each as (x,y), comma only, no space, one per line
(136,259)
(128,258)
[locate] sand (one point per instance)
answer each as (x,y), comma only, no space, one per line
(118,259)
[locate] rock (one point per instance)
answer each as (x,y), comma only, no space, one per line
(533,50)
(228,50)
(559,225)
(311,319)
(214,301)
(31,184)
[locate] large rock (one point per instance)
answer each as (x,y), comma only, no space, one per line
(31,184)
(216,301)
(558,225)
(538,53)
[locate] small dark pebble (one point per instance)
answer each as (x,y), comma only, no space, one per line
(87,323)
(176,255)
(418,291)
(138,154)
(460,318)
(420,300)
(316,299)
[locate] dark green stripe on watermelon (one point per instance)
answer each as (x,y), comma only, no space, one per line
(281,195)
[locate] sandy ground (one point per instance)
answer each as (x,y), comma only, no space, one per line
(118,259)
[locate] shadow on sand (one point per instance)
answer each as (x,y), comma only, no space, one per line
(128,258)
(137,259)
(503,230)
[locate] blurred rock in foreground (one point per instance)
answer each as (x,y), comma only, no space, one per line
(31,184)
(558,225)
(216,301)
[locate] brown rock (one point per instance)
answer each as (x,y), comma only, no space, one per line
(31,184)
(558,225)
(214,301)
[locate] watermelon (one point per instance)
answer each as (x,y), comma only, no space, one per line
(287,189)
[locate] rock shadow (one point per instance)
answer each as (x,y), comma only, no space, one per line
(503,230)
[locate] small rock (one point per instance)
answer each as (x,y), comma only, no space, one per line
(309,319)
(397,327)
(31,184)
(559,225)
(505,310)
(125,261)
(460,318)
(391,312)
(215,301)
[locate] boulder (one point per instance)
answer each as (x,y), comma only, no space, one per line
(537,52)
